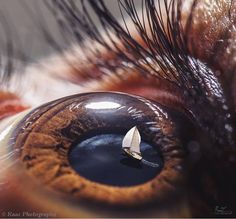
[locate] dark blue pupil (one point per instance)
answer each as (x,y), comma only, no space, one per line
(100,159)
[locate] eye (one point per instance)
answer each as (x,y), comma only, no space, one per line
(66,144)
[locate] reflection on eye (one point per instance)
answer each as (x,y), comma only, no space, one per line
(102,105)
(65,156)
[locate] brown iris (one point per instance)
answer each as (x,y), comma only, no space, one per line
(52,133)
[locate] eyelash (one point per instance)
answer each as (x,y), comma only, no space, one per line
(171,55)
(158,51)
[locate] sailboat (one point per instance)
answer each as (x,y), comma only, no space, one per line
(131,147)
(131,144)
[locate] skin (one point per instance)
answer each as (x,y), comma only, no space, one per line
(213,33)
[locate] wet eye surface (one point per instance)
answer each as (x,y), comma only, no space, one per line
(74,146)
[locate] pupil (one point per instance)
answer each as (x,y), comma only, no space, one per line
(100,159)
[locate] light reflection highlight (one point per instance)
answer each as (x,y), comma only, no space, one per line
(102,105)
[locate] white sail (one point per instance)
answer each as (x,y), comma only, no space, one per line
(131,147)
(132,140)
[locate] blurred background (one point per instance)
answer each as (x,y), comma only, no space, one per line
(21,18)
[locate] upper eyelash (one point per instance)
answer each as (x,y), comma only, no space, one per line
(166,47)
(80,25)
